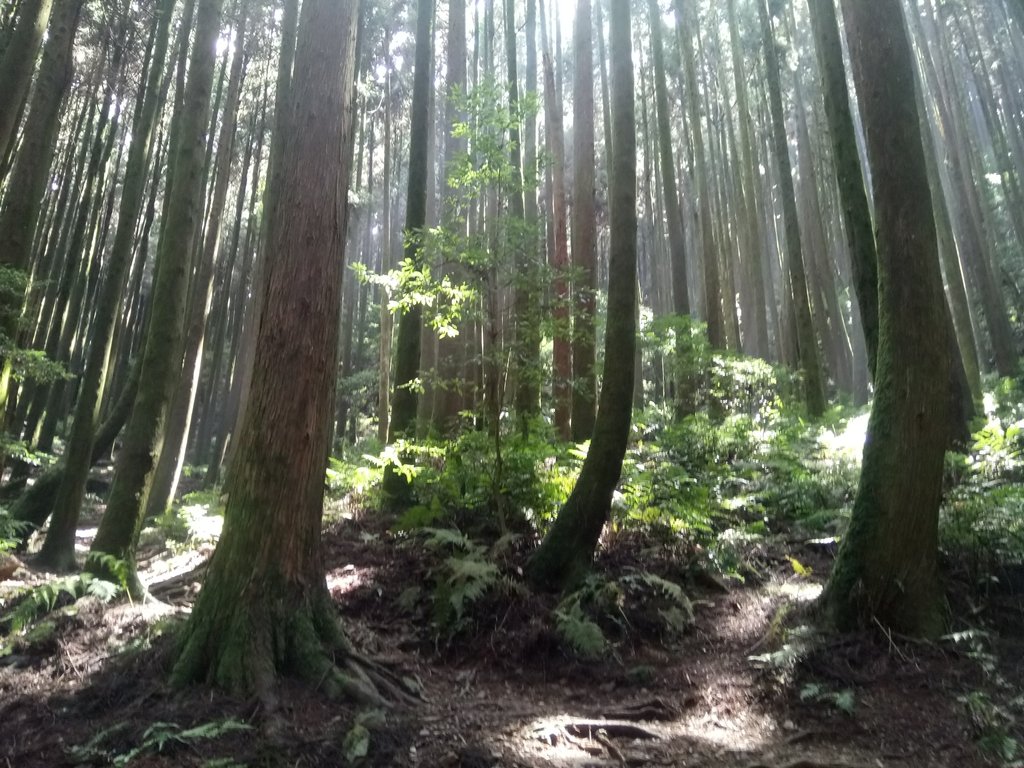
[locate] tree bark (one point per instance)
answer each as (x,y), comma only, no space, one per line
(887,566)
(584,229)
(561,315)
(20,211)
(59,545)
(17,64)
(856,210)
(264,608)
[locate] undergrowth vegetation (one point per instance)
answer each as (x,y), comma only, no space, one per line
(721,487)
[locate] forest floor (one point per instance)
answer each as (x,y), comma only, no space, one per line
(744,685)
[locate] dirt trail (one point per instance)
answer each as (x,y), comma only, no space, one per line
(510,696)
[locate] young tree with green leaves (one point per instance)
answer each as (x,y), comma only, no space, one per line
(407,348)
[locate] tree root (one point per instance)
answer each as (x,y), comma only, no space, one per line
(246,647)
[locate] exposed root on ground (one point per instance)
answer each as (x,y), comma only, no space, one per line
(247,647)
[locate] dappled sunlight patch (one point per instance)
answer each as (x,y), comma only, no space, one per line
(799,591)
(158,573)
(846,441)
(203,523)
(731,724)
(83,539)
(343,581)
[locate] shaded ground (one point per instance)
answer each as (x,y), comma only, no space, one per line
(506,693)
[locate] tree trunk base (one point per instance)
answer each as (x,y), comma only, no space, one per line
(245,649)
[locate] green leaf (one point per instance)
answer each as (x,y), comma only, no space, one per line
(357,743)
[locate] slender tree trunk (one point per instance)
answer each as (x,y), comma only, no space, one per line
(856,210)
(20,210)
(814,392)
(451,351)
(179,413)
(565,555)
(750,245)
(16,66)
(407,360)
(527,309)
(584,229)
(709,253)
(561,315)
(673,211)
(122,521)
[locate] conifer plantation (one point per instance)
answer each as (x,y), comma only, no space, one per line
(512,383)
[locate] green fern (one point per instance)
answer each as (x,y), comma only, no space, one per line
(42,599)
(440,538)
(469,579)
(156,738)
(582,635)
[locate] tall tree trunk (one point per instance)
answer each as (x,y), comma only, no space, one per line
(254,309)
(565,555)
(17,64)
(810,365)
(709,252)
(20,211)
(757,336)
(673,211)
(584,229)
(407,359)
(264,608)
(118,530)
(856,210)
(527,310)
(887,566)
(451,351)
(168,468)
(561,316)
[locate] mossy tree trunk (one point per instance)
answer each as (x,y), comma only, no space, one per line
(264,609)
(168,468)
(58,548)
(887,565)
(852,192)
(161,361)
(21,206)
(17,64)
(566,553)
